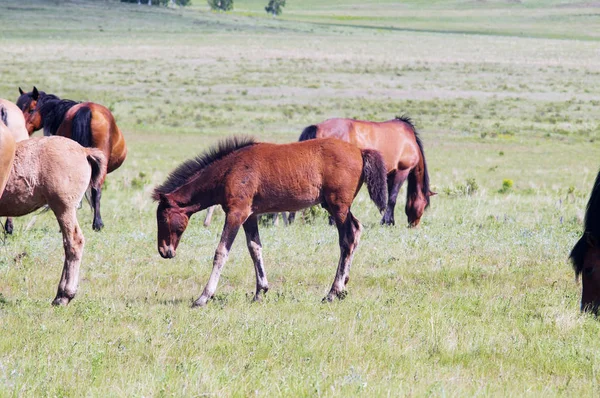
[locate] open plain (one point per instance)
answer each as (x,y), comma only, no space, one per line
(480,300)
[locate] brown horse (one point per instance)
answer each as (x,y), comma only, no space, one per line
(248,178)
(585,255)
(38,178)
(402,150)
(90,124)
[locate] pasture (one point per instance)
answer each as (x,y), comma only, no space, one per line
(479,300)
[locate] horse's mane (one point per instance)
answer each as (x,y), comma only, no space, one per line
(591,228)
(53,110)
(191,167)
(425,186)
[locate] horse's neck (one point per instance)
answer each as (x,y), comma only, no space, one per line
(200,192)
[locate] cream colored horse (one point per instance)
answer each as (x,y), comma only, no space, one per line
(13,129)
(54,171)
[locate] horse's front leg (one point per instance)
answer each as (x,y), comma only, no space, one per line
(349,230)
(233,221)
(73,242)
(255,249)
(209,214)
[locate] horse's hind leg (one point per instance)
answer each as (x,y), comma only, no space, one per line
(9,227)
(395,181)
(209,214)
(97,224)
(233,221)
(255,249)
(73,242)
(349,230)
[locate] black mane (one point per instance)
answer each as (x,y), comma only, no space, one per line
(591,228)
(53,111)
(425,187)
(191,167)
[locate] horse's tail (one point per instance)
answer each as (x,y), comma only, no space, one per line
(97,161)
(375,176)
(81,130)
(308,133)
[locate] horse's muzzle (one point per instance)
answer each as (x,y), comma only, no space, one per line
(166,252)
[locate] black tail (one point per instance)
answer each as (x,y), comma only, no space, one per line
(308,133)
(375,175)
(3,115)
(81,128)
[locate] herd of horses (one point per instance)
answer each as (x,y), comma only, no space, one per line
(327,166)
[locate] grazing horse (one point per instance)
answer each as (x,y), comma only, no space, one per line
(90,124)
(13,122)
(585,255)
(54,171)
(248,178)
(402,150)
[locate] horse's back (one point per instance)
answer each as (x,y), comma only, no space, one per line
(105,134)
(395,139)
(46,170)
(15,121)
(293,176)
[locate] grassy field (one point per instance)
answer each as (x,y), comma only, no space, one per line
(480,300)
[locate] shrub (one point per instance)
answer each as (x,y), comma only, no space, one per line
(221,5)
(275,7)
(507,185)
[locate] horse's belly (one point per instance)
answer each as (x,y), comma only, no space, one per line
(288,199)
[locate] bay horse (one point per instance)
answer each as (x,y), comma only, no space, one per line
(585,255)
(13,125)
(248,178)
(38,178)
(88,123)
(402,150)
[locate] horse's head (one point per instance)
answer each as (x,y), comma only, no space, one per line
(172,221)
(28,103)
(586,261)
(415,207)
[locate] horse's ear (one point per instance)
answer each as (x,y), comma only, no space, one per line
(431,193)
(35,94)
(21,91)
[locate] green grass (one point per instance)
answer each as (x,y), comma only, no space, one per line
(479,300)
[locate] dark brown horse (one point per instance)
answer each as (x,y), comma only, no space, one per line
(248,178)
(402,150)
(90,124)
(585,256)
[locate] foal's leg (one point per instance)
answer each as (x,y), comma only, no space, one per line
(255,249)
(73,242)
(230,230)
(209,214)
(395,181)
(97,224)
(349,230)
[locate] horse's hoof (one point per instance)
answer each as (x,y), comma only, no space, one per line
(328,299)
(201,302)
(98,226)
(61,301)
(8,227)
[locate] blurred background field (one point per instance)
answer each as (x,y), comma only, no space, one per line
(479,300)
